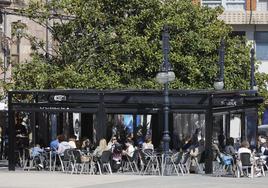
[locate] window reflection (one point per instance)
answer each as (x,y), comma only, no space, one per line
(123,126)
(185,126)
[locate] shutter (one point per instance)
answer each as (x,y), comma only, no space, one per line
(250,3)
(196,2)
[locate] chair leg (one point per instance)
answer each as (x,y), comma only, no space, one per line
(181,169)
(62,166)
(54,164)
(147,166)
(99,167)
(73,168)
(174,166)
(110,169)
(136,167)
(82,167)
(92,168)
(130,164)
(252,171)
(262,170)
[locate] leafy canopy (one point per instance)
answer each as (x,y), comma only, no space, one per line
(117,44)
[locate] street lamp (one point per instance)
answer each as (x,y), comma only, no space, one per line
(165,76)
(19,32)
(218,83)
(253,85)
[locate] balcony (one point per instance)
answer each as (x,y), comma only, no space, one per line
(238,11)
(19,2)
(245,17)
(5,3)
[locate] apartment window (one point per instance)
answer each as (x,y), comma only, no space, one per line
(261,38)
(226,4)
(236,5)
(211,3)
(240,34)
(262,5)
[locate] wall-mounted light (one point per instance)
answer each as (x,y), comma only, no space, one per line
(58,98)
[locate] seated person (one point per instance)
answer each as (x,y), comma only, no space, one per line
(63,145)
(102,147)
(243,149)
(215,150)
(148,144)
(129,151)
(71,142)
(36,153)
(264,149)
(229,148)
(112,143)
(54,144)
(87,145)
(264,146)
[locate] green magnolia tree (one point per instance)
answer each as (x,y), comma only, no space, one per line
(117,44)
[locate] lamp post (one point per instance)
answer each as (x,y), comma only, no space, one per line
(252,70)
(165,76)
(219,82)
(18,35)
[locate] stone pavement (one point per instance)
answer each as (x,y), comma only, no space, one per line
(43,179)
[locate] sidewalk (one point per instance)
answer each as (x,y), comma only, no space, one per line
(33,179)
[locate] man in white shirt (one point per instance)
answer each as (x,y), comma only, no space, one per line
(244,149)
(63,145)
(130,149)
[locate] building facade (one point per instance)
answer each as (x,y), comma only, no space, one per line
(14,48)
(248,18)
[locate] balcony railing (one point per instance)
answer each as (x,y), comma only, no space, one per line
(245,17)
(5,3)
(235,11)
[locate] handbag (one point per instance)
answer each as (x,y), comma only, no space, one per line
(85,158)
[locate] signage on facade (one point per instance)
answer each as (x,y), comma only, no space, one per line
(227,102)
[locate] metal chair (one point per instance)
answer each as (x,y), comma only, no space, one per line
(246,164)
(177,159)
(57,162)
(152,162)
(168,164)
(223,165)
(132,161)
(68,160)
(30,162)
(104,162)
(82,163)
(185,162)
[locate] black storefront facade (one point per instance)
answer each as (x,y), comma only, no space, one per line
(214,106)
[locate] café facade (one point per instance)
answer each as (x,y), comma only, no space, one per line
(95,114)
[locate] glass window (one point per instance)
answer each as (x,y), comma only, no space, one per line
(186,127)
(262,5)
(240,34)
(126,126)
(227,4)
(235,129)
(251,127)
(261,38)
